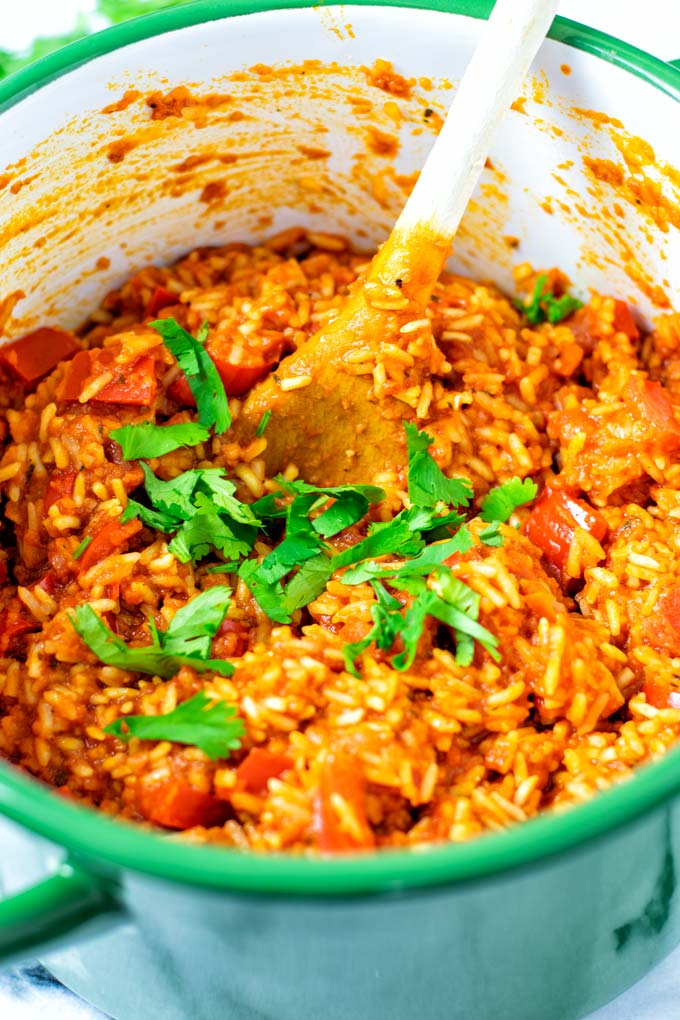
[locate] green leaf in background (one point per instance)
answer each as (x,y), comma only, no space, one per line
(110,11)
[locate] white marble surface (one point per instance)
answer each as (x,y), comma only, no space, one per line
(30,993)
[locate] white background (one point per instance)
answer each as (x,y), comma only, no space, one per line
(653,25)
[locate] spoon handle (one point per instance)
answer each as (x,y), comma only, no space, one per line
(492,80)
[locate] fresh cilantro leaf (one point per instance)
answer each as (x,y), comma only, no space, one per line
(268,594)
(501,502)
(148,440)
(394,538)
(561,307)
(350,504)
(200,371)
(427,483)
(207,529)
(186,642)
(158,519)
(77,553)
(421,565)
(490,535)
(544,305)
(308,583)
(388,623)
(458,606)
(302,549)
(264,421)
(172,497)
(200,506)
(223,568)
(449,600)
(201,721)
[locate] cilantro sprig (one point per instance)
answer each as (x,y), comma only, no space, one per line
(500,503)
(149,440)
(186,642)
(544,306)
(448,600)
(200,372)
(296,571)
(200,507)
(427,483)
(201,721)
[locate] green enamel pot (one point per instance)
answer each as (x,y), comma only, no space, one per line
(545,921)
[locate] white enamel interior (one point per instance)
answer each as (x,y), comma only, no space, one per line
(76,206)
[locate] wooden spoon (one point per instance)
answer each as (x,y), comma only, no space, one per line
(335,425)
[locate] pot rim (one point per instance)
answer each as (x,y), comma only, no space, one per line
(105,845)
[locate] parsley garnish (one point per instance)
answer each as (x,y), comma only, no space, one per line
(501,502)
(186,642)
(264,421)
(77,553)
(148,440)
(200,371)
(543,305)
(200,721)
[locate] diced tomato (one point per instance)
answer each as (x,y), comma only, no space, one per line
(652,401)
(175,804)
(78,373)
(3,571)
(13,624)
(133,384)
(624,321)
(231,639)
(236,379)
(553,522)
(161,298)
(662,629)
(342,784)
(113,537)
(255,771)
(61,484)
(660,695)
(48,582)
(34,355)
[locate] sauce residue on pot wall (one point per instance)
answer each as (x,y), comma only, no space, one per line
(176,165)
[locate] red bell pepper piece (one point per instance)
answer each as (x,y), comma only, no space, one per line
(624,321)
(553,521)
(61,484)
(654,405)
(112,538)
(161,298)
(133,384)
(32,356)
(661,630)
(236,379)
(255,771)
(231,639)
(13,624)
(175,804)
(342,782)
(136,385)
(660,695)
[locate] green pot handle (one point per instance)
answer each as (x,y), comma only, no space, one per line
(48,913)
(674,63)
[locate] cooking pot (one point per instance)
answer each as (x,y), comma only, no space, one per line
(284,117)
